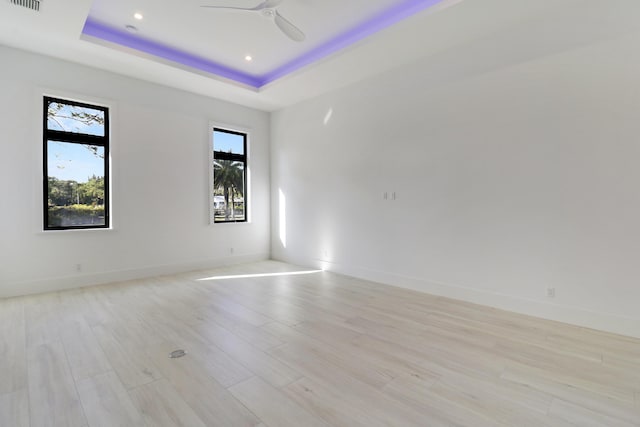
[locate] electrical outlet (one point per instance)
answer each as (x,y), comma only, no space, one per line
(231,250)
(78,268)
(551,292)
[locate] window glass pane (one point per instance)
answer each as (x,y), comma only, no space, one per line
(228,142)
(76,187)
(72,118)
(229,191)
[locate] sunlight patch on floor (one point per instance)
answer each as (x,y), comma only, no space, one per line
(245,276)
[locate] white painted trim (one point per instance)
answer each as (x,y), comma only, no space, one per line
(83,280)
(562,313)
(39,94)
(248,191)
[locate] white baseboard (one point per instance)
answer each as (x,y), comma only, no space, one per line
(562,313)
(91,279)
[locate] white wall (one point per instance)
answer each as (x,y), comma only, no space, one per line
(160,181)
(514,171)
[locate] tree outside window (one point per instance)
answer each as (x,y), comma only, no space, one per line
(229,176)
(76,155)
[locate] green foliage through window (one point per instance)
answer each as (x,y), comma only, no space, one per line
(229,176)
(76,147)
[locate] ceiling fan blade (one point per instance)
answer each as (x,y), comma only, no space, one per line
(290,30)
(266,4)
(231,8)
(269,4)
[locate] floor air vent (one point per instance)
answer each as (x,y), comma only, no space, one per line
(177,353)
(29,4)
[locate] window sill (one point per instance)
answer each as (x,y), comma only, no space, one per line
(230,223)
(78,230)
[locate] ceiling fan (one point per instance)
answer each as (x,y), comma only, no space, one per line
(268,9)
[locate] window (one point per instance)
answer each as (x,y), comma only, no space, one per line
(229,203)
(76,165)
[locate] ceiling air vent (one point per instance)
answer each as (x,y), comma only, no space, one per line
(29,4)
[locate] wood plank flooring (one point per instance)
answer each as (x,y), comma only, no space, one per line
(266,347)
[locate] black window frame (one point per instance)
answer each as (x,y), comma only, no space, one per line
(222,155)
(74,138)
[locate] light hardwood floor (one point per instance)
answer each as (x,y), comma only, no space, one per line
(268,348)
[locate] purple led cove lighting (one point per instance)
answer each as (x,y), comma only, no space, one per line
(98,30)
(379,22)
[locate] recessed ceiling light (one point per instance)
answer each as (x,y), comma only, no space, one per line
(138,16)
(379,21)
(248,58)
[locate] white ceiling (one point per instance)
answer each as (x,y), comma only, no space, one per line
(227,36)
